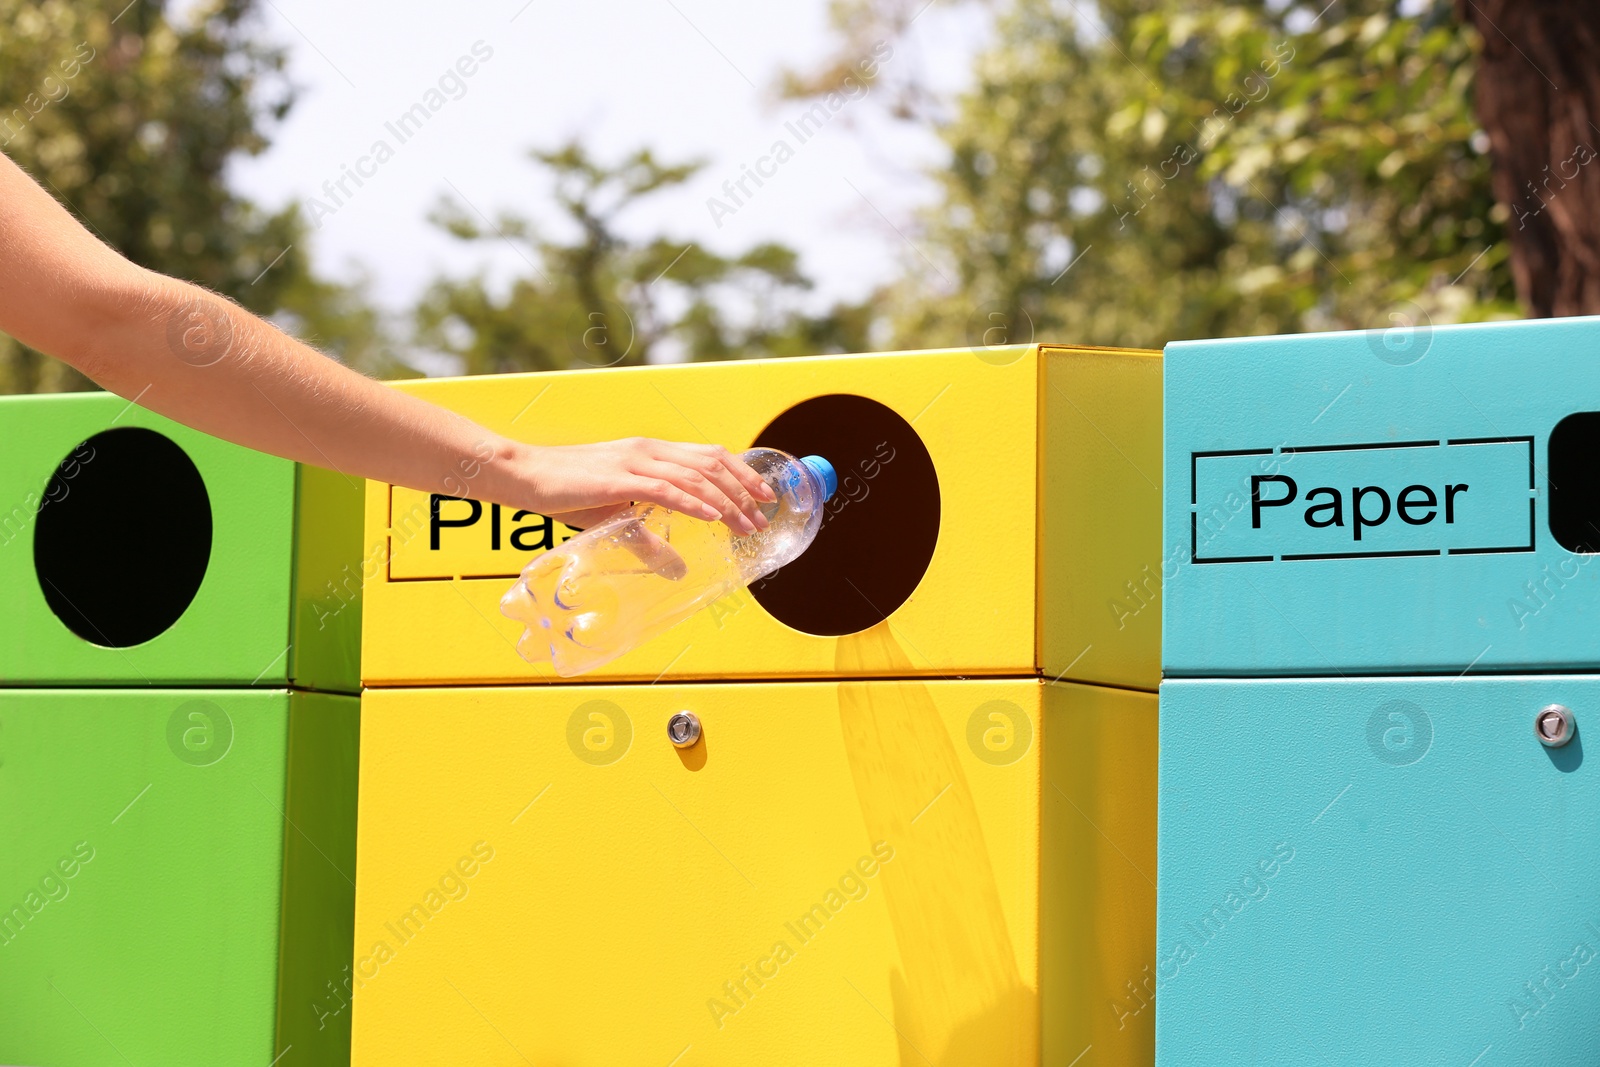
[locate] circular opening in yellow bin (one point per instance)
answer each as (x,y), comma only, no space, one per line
(123,537)
(878,531)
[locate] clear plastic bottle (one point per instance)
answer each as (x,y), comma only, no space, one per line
(644,570)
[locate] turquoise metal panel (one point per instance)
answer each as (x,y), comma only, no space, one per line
(1376,872)
(1363,503)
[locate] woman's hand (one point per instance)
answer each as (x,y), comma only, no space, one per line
(208,363)
(583,484)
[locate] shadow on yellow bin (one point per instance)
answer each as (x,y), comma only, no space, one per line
(959,989)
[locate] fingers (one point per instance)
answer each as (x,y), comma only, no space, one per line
(728,473)
(753,483)
(705,481)
(660,489)
(708,492)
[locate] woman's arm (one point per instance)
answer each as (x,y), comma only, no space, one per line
(203,361)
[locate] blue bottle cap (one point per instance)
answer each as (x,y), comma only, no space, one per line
(825,474)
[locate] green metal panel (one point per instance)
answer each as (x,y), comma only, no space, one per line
(317,934)
(325,639)
(175,874)
(277,540)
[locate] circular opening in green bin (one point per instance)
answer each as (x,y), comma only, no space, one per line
(123,537)
(879,530)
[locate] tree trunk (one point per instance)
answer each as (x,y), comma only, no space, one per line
(1538,98)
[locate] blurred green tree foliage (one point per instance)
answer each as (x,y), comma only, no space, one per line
(599,297)
(1136,171)
(129,117)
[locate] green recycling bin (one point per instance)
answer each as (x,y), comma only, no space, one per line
(179,724)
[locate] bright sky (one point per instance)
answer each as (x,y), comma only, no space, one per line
(689,78)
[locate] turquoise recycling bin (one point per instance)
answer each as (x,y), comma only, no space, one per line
(1381,648)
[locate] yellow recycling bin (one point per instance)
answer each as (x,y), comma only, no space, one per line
(919,824)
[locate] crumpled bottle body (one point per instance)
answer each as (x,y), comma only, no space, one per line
(640,572)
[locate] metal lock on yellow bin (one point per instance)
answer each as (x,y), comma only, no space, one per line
(1000,510)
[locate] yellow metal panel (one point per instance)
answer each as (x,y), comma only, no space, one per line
(544,879)
(973,612)
(1098,926)
(1100,523)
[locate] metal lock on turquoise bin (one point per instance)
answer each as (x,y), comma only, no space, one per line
(1554,726)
